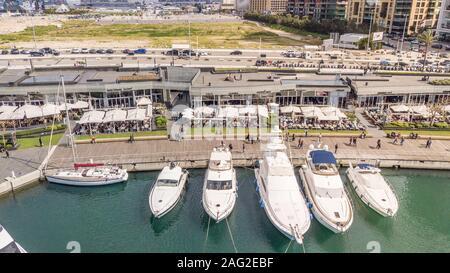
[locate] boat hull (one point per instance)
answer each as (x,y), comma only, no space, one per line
(171,205)
(356,185)
(269,215)
(317,213)
(73,182)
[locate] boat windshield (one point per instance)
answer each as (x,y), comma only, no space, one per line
(168,182)
(325,169)
(218,185)
(10,248)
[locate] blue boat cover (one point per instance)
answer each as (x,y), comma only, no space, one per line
(322,157)
(365,166)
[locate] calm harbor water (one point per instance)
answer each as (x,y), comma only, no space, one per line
(117,219)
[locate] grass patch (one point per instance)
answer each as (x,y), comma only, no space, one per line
(445,133)
(210,35)
(300,32)
(32,142)
(123,135)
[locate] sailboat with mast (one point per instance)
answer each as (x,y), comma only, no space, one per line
(85,174)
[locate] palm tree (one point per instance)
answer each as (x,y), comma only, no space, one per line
(426,37)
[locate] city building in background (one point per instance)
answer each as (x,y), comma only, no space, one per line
(443,25)
(318,9)
(268,6)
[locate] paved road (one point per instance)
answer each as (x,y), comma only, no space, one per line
(21,162)
(164,150)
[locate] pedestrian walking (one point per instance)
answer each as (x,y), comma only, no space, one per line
(300,143)
(428,144)
(230,147)
(351,141)
(335,148)
(7,153)
(40,141)
(354,141)
(306,133)
(379,144)
(395,140)
(402,140)
(243,148)
(320,137)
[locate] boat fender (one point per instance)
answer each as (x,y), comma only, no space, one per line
(309,205)
(261,203)
(311,216)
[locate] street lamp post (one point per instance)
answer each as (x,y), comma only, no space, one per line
(404,29)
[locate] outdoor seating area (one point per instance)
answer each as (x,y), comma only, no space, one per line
(115,121)
(409,113)
(30,115)
(320,118)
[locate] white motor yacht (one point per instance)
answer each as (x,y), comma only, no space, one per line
(7,243)
(220,185)
(280,193)
(167,190)
(324,189)
(373,189)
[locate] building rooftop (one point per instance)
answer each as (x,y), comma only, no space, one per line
(374,85)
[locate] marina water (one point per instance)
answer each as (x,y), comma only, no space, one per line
(117,218)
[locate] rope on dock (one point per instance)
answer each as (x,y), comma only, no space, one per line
(290,242)
(303,246)
(231,236)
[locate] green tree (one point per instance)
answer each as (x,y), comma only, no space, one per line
(426,37)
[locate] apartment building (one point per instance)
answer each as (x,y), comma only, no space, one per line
(268,6)
(318,9)
(443,25)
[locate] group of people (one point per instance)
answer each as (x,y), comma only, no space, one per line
(112,127)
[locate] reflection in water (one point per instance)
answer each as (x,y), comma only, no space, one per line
(112,190)
(163,224)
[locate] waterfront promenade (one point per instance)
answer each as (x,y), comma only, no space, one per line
(151,155)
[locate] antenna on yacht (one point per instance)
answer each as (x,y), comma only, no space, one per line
(68,121)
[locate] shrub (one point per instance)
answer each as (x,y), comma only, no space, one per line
(161,121)
(441,125)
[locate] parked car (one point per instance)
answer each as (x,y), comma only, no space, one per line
(261,62)
(46,50)
(438,46)
(126,51)
(75,51)
(447,48)
(55,52)
(109,51)
(25,51)
(36,54)
(84,51)
(236,52)
(15,51)
(140,51)
(4,52)
(202,53)
(92,51)
(131,53)
(101,51)
(187,52)
(172,52)
(263,55)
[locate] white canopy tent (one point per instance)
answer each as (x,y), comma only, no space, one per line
(263,111)
(188,113)
(7,108)
(62,107)
(401,108)
(447,108)
(204,110)
(331,111)
(228,112)
(247,110)
(80,105)
(115,115)
(92,117)
(50,109)
(312,112)
(421,110)
(290,109)
(143,101)
(137,114)
(26,112)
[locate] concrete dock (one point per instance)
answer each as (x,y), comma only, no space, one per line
(152,155)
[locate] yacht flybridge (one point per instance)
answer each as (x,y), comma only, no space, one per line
(7,243)
(88,174)
(324,188)
(373,189)
(280,193)
(220,185)
(167,190)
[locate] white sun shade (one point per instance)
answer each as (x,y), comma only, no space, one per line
(50,110)
(115,115)
(7,108)
(92,117)
(249,109)
(137,114)
(290,109)
(399,108)
(80,105)
(143,101)
(26,112)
